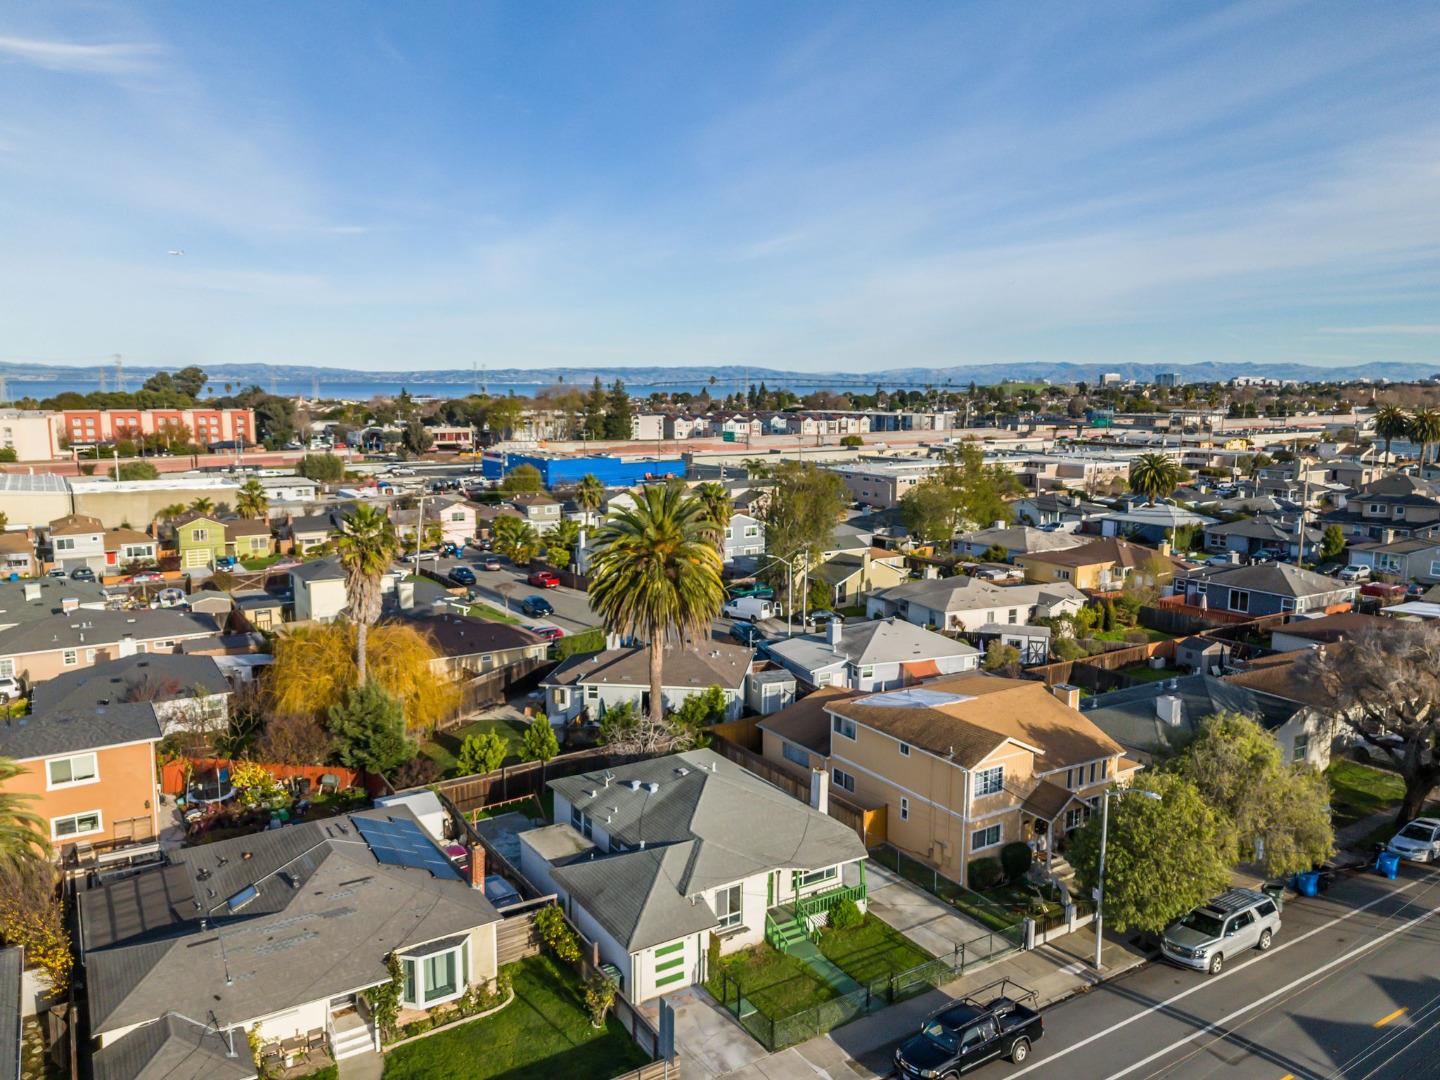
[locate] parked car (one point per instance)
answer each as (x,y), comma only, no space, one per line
(1219,560)
(752,588)
(491,563)
(750,607)
(543,579)
(1232,923)
(822,617)
(1418,841)
(145,576)
(549,631)
(82,573)
(535,606)
(226,562)
(56,572)
(965,1034)
(1355,572)
(461,575)
(10,689)
(746,634)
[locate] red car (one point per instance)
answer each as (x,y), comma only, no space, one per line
(545,630)
(544,579)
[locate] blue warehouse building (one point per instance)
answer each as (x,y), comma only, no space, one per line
(563,471)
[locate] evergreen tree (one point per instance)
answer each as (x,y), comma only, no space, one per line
(369,729)
(593,415)
(618,412)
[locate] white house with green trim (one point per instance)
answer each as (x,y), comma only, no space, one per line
(651,859)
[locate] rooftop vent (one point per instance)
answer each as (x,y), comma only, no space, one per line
(633,785)
(652,787)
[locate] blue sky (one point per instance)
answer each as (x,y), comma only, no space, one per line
(818,186)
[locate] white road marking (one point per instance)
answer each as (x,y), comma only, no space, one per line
(1212,980)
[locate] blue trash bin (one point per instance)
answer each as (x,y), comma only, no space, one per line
(1388,863)
(1308,883)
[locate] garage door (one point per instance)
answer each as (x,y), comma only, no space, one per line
(197,557)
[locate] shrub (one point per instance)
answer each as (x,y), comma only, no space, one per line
(1136,636)
(1015,859)
(599,996)
(845,915)
(481,753)
(539,742)
(555,932)
(369,729)
(418,771)
(985,873)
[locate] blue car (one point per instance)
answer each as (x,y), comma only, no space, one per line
(746,634)
(536,605)
(462,575)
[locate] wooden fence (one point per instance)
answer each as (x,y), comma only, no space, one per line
(471,793)
(743,732)
(173,774)
(516,938)
(494,687)
(1101,671)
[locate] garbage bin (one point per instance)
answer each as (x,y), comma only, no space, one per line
(1308,883)
(1388,863)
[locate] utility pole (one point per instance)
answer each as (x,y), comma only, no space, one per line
(119,374)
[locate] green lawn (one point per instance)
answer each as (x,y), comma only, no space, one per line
(444,747)
(329,1072)
(774,982)
(1145,673)
(1120,632)
(872,950)
(489,614)
(544,1032)
(1357,791)
(262,562)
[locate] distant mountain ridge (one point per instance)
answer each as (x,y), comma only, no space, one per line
(729,377)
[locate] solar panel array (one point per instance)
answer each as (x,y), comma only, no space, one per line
(403,843)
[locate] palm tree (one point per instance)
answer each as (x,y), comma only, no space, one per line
(1153,476)
(171,512)
(522,545)
(1391,422)
(718,507)
(203,505)
(590,493)
(21,830)
(561,541)
(252,501)
(367,546)
(655,574)
(1424,428)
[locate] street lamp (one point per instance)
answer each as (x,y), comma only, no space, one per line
(789,588)
(1100,882)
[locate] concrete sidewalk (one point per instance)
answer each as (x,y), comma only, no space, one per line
(864,1049)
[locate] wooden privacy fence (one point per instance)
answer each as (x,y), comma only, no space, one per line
(493,687)
(172,774)
(516,938)
(1085,671)
(470,793)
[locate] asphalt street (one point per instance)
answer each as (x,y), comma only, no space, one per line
(1349,990)
(508,585)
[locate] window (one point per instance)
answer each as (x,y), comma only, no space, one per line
(990,781)
(1094,770)
(842,726)
(69,658)
(727,906)
(815,877)
(904,808)
(89,656)
(438,976)
(69,771)
(1014,615)
(136,551)
(200,535)
(1239,600)
(592,693)
(984,838)
(1076,817)
(904,749)
(752,531)
(796,755)
(1300,748)
(64,543)
(165,643)
(73,825)
(581,823)
(867,673)
(843,780)
(7,669)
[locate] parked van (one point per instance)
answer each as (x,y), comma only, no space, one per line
(753,608)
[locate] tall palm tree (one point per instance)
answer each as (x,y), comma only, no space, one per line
(252,501)
(1391,422)
(590,493)
(561,541)
(1153,476)
(1424,428)
(655,574)
(171,512)
(203,505)
(718,508)
(367,546)
(21,830)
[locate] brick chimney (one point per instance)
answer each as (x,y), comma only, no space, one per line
(477,866)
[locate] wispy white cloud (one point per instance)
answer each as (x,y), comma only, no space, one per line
(1419,329)
(114,58)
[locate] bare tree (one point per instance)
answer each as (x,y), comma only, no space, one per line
(1386,687)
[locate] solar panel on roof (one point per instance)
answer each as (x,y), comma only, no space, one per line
(402,843)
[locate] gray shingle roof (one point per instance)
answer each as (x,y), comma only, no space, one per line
(877,641)
(326,569)
(10,1022)
(93,628)
(48,593)
(1129,717)
(174,1048)
(716,663)
(1280,579)
(327,914)
(708,823)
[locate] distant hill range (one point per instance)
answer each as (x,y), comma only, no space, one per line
(299,377)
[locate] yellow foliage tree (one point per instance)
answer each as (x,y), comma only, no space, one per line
(315,665)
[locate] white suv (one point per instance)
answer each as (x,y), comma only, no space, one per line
(10,689)
(1355,572)
(1232,923)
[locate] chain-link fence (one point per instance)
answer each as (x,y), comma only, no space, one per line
(980,909)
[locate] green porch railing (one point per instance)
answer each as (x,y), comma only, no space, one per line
(824,902)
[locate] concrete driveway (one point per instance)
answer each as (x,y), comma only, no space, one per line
(929,922)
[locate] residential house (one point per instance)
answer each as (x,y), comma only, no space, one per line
(1101,566)
(248,538)
(175,1047)
(279,933)
(851,574)
(1309,632)
(310,532)
(1261,536)
(90,768)
(538,509)
(797,738)
(1396,507)
(262,610)
(37,601)
(200,539)
(470,647)
(1032,643)
(1056,508)
(647,427)
(17,553)
(76,540)
(35,651)
(288,490)
(966,764)
(646,862)
(1017,540)
(1262,589)
(872,655)
(744,537)
(456,517)
(1410,559)
(967,603)
(129,547)
(319,590)
(584,687)
(1152,524)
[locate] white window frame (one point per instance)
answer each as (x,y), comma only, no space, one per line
(7,668)
(843,726)
(904,749)
(55,833)
(904,808)
(730,918)
(92,777)
(461,953)
(842,779)
(984,785)
(69,657)
(816,877)
(975,837)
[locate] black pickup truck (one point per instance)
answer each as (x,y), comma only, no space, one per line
(993,1022)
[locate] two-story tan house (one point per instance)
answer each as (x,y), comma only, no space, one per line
(964,765)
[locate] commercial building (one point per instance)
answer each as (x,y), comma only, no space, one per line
(613,471)
(86,427)
(883,485)
(32,434)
